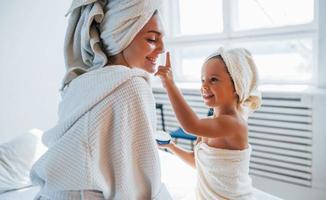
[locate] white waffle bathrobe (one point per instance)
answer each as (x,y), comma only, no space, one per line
(103,140)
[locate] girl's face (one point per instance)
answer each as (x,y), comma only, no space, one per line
(217,86)
(144,50)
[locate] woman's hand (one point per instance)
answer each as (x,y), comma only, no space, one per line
(165,72)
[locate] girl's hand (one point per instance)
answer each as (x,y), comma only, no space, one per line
(165,72)
(168,146)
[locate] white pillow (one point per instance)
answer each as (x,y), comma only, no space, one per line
(17,157)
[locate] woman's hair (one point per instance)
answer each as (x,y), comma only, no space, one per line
(99,29)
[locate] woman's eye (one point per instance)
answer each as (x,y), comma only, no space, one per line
(151,40)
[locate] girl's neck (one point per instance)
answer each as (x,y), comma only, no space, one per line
(225,110)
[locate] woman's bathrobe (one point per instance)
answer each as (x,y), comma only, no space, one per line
(104,139)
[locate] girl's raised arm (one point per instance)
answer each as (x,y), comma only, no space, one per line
(187,118)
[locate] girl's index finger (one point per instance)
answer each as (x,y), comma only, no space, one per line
(167,60)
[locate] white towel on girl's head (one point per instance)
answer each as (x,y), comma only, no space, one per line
(243,71)
(222,173)
(101,28)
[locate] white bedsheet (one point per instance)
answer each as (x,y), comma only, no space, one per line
(21,194)
(179,178)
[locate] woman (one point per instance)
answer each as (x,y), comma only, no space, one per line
(103,146)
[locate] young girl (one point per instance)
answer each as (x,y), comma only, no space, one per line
(222,153)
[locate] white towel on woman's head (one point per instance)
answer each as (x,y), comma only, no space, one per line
(243,71)
(101,28)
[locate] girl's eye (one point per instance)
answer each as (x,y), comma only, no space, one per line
(202,80)
(214,79)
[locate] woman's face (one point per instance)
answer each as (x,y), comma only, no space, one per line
(144,50)
(217,86)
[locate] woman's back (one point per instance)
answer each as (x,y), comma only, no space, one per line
(105,143)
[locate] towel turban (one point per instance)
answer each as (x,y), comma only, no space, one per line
(243,71)
(101,28)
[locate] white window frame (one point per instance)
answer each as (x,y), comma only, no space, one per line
(311,30)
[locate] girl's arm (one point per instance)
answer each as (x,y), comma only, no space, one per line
(187,156)
(188,119)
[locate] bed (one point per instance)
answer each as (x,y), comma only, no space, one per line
(179,178)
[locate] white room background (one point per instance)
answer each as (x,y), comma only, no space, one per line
(31,64)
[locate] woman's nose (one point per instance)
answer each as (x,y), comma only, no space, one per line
(161,47)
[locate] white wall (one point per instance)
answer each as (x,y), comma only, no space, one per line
(321,43)
(31,64)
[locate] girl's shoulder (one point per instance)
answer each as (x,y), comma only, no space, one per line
(232,123)
(237,129)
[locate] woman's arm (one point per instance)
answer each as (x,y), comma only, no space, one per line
(128,142)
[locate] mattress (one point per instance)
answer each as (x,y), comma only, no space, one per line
(179,178)
(27,193)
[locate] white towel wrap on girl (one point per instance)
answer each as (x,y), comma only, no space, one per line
(222,173)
